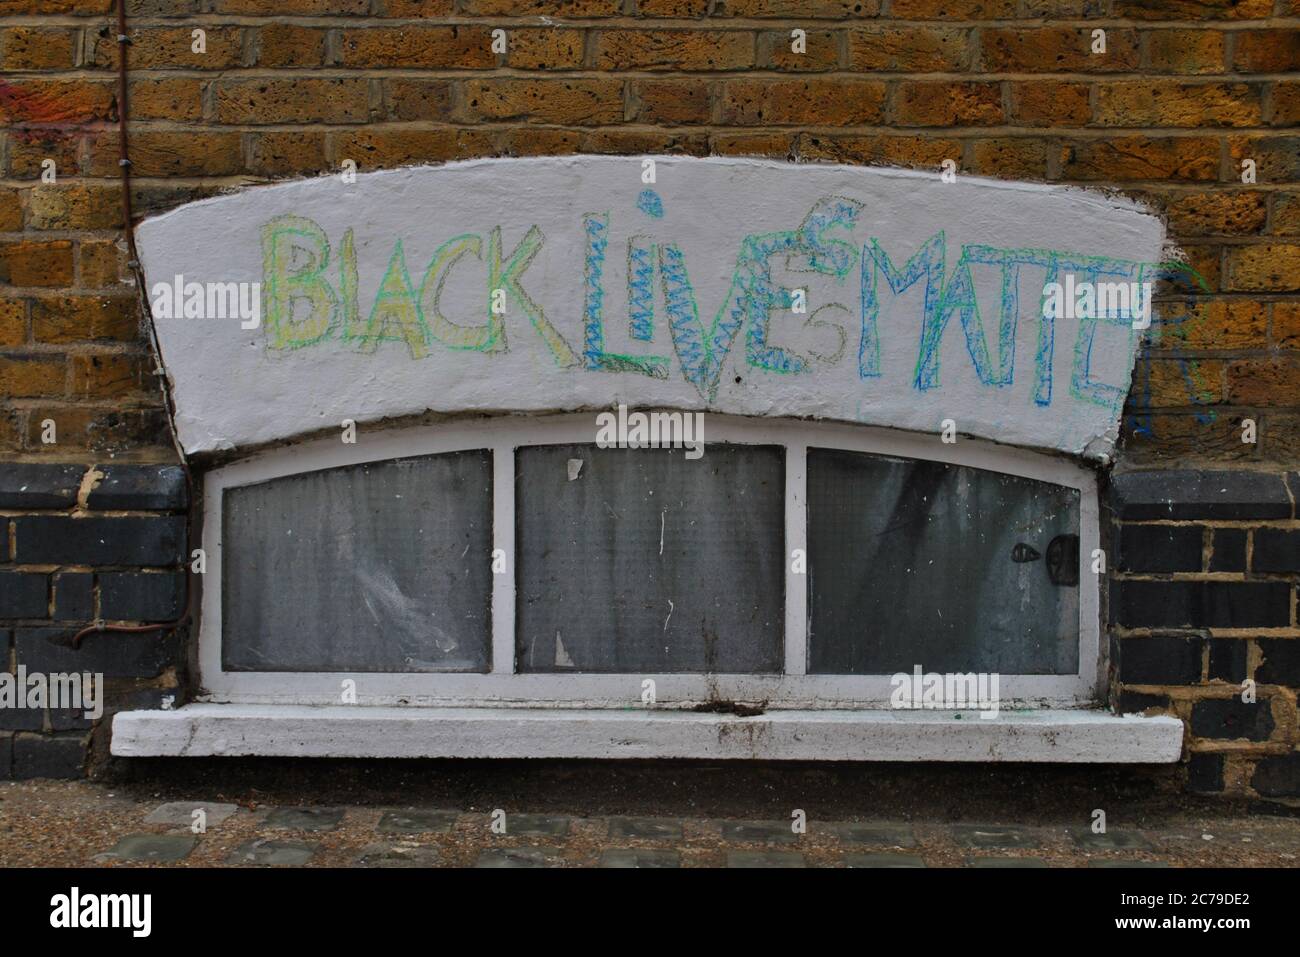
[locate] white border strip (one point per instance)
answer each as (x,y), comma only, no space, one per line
(202,730)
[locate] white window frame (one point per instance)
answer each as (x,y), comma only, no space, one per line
(500,687)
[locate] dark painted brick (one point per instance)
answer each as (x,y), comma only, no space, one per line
(58,539)
(1278,776)
(1232,718)
(74,596)
(1135,702)
(1160,660)
(1281,664)
(115,654)
(1200,604)
(24,595)
(18,719)
(1276,550)
(143,699)
(22,719)
(4,539)
(1228,659)
(137,699)
(49,756)
(1229,550)
(1205,773)
(1160,548)
(70,719)
(1195,494)
(140,699)
(141,596)
(24,485)
(74,719)
(6,757)
(148,487)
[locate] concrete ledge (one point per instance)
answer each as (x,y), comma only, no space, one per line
(201,730)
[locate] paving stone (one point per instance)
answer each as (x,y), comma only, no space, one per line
(402,854)
(648,828)
(415,821)
(1288,839)
(181,813)
(272,853)
(882,860)
(890,835)
(1127,864)
(1110,841)
(759,832)
(305,818)
(978,835)
(536,825)
(639,857)
(520,857)
(1005,862)
(764,859)
(155,848)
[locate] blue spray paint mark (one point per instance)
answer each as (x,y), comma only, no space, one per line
(597,230)
(700,352)
(594,355)
(1082,385)
(762,296)
(650,204)
(928,260)
(640,289)
(831,257)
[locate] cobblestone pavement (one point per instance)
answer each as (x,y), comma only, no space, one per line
(79,823)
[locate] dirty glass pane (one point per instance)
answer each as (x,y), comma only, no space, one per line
(377,567)
(947,567)
(646,562)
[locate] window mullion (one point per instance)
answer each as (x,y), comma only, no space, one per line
(503,543)
(796,538)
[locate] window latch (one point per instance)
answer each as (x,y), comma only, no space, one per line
(1024,553)
(1063,560)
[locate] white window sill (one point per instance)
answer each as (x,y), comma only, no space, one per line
(201,730)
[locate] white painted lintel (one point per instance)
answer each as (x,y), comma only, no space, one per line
(1047,736)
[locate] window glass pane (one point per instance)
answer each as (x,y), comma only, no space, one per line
(377,567)
(647,562)
(942,566)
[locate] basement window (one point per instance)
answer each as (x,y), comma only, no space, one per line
(381,567)
(512,562)
(650,563)
(959,568)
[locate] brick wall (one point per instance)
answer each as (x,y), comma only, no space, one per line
(83,544)
(1185,91)
(1202,599)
